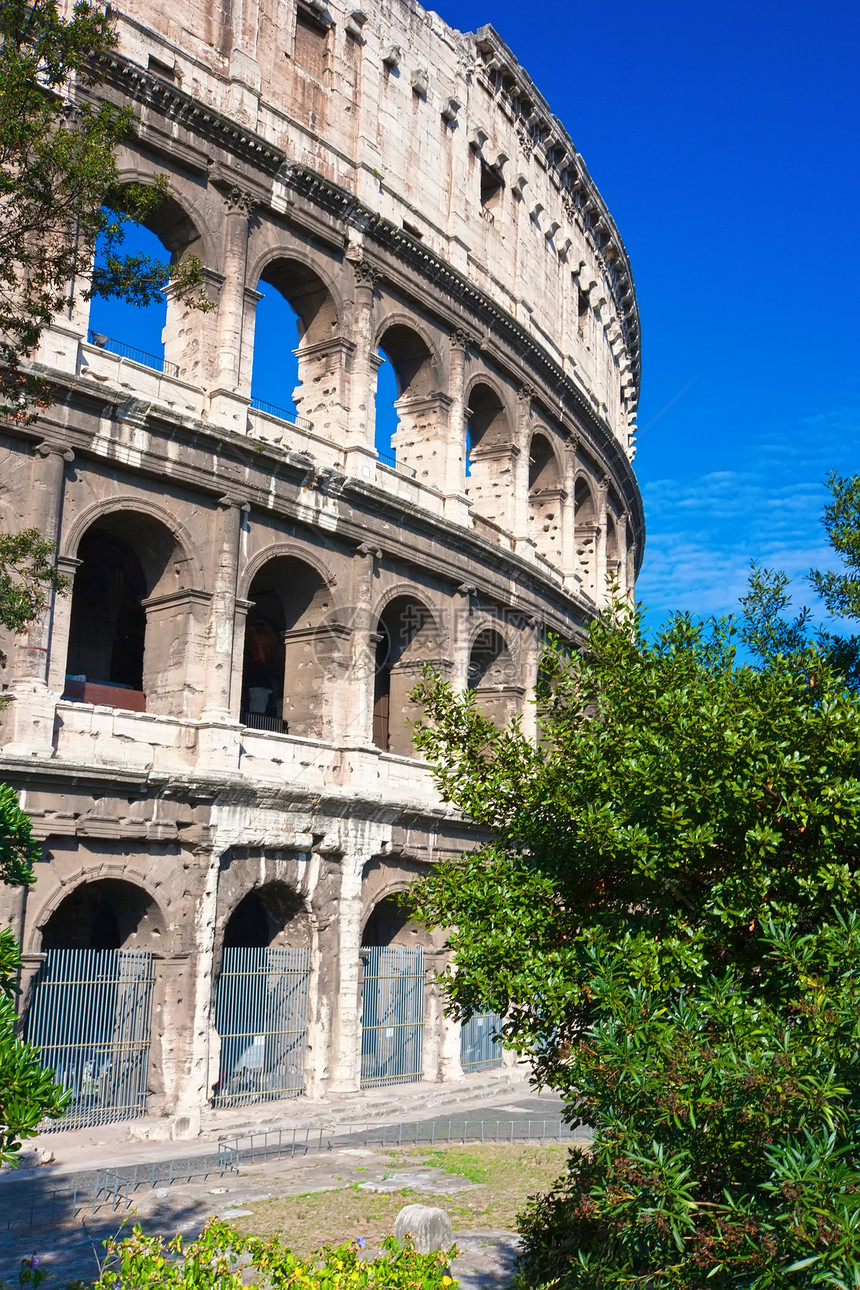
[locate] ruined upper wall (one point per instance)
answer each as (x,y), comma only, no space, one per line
(440,132)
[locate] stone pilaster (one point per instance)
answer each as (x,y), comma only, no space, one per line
(362,384)
(228,400)
(30,719)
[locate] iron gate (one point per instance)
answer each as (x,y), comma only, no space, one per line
(478,1050)
(90,1020)
(392,1016)
(261,1014)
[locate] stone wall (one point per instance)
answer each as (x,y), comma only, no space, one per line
(216,718)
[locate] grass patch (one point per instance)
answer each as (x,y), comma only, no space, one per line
(507,1174)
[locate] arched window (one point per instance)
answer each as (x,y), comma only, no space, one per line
(393,986)
(411,440)
(283,688)
(405,640)
(294,325)
(261,998)
(585,534)
(489,456)
(116,653)
(156,334)
(545,499)
(90,1011)
(493,676)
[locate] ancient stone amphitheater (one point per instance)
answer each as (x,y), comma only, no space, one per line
(210,732)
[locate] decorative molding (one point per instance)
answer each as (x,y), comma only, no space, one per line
(238,201)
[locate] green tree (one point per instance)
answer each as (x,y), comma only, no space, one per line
(841,591)
(666,915)
(60,194)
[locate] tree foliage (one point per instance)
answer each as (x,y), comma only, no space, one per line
(666,914)
(60,193)
(841,591)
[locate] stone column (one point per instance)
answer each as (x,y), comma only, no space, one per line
(461,624)
(530,644)
(361,841)
(454,486)
(219,737)
(521,469)
(30,720)
(569,565)
(360,438)
(621,538)
(600,543)
(228,401)
(362,671)
(219,644)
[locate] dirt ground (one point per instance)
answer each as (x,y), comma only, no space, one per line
(324,1199)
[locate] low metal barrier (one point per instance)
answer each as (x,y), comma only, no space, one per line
(280,414)
(119,347)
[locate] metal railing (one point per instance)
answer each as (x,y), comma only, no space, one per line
(388,459)
(259,721)
(392,1016)
(27,1204)
(157,362)
(90,1020)
(261,1014)
(280,414)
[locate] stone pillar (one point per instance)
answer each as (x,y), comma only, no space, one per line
(219,736)
(361,430)
(219,644)
(362,840)
(600,543)
(179,1072)
(362,670)
(461,630)
(454,484)
(240,620)
(621,538)
(30,719)
(228,401)
(569,564)
(530,648)
(521,468)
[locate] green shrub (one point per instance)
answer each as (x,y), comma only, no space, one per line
(223,1259)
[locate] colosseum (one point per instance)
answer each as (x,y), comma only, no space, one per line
(210,731)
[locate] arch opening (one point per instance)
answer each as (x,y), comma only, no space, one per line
(261,997)
(493,676)
(405,636)
(404,382)
(546,499)
(91,1006)
(585,534)
(286,643)
(392,1002)
(294,319)
(489,455)
(151,332)
(112,658)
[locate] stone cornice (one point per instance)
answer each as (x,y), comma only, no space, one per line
(543,129)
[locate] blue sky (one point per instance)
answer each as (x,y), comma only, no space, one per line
(724,139)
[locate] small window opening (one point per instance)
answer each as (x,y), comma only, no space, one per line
(166,71)
(491,187)
(582,310)
(311,43)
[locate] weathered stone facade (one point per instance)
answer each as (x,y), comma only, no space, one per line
(219,708)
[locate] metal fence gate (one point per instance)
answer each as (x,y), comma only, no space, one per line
(261,1014)
(478,1050)
(392,1016)
(90,1020)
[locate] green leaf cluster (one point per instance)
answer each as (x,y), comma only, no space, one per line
(220,1258)
(666,914)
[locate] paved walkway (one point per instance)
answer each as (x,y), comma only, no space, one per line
(69,1240)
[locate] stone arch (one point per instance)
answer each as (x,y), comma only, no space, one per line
(418,440)
(407,637)
(613,551)
(134,617)
(546,498)
(286,550)
(493,673)
(307,378)
(104,913)
(270,912)
(387,921)
(394,993)
(181,229)
(490,452)
(131,502)
(290,647)
(586,531)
